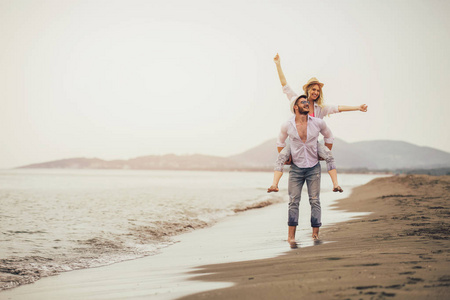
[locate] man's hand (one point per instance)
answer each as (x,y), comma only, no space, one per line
(289,161)
(276,59)
(363,107)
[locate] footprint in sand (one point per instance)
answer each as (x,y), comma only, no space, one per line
(413,280)
(395,286)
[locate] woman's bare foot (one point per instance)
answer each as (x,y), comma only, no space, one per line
(272,188)
(315,233)
(338,189)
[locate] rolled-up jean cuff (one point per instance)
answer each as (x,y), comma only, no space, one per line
(292,224)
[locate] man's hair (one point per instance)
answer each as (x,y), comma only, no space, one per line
(319,100)
(298,98)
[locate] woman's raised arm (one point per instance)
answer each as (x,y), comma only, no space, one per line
(277,62)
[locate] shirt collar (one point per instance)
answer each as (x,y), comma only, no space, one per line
(293,119)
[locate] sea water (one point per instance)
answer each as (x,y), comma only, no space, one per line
(61,220)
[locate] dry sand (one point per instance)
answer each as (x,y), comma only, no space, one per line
(399,251)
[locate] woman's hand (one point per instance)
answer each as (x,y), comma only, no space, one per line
(363,107)
(276,59)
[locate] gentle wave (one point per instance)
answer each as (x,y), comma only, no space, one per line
(258,205)
(54,221)
(97,251)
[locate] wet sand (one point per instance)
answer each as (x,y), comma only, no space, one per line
(400,251)
(250,235)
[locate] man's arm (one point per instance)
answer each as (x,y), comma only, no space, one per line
(327,135)
(282,136)
(281,142)
(362,107)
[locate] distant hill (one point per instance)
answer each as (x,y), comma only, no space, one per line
(151,162)
(370,155)
(263,155)
(396,155)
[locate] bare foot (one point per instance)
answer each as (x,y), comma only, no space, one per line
(338,189)
(291,234)
(272,188)
(315,233)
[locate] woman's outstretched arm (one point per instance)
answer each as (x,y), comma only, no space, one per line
(362,107)
(277,62)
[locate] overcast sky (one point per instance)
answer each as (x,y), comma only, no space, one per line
(121,79)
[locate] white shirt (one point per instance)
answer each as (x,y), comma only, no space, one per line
(319,112)
(304,155)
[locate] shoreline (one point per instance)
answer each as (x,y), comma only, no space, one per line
(400,250)
(167,275)
(49,226)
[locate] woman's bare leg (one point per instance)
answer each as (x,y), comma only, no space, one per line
(276,179)
(326,154)
(283,156)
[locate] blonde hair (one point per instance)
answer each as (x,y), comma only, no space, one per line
(320,101)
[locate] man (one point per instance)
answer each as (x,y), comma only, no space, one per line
(303,132)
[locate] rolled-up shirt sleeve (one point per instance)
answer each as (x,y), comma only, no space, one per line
(291,95)
(326,132)
(282,136)
(330,109)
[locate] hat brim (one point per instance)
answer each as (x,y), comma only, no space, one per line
(311,83)
(292,104)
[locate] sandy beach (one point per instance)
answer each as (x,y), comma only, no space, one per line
(399,251)
(248,235)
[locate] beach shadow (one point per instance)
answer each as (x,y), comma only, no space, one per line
(294,245)
(318,242)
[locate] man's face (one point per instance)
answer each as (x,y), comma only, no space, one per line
(314,92)
(303,106)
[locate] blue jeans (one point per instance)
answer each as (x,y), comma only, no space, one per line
(297,177)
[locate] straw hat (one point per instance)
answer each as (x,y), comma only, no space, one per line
(313,80)
(292,104)
(293,100)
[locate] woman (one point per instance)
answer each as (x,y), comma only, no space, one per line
(313,90)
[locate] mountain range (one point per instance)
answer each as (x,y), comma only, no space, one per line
(372,155)
(381,155)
